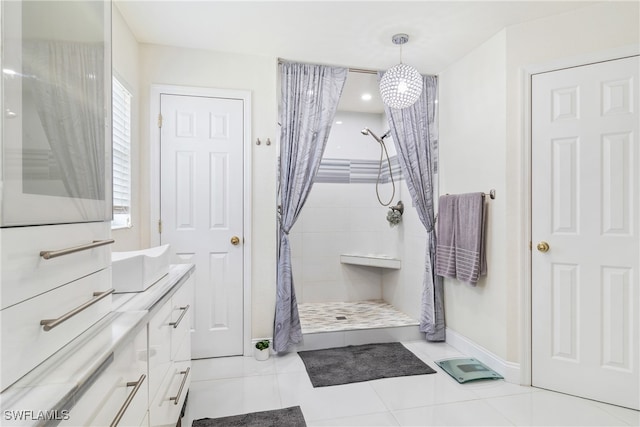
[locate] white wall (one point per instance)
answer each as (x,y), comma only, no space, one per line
(472,158)
(481,147)
(403,288)
(190,67)
(600,28)
(125,59)
(347,142)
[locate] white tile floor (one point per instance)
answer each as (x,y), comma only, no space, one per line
(236,385)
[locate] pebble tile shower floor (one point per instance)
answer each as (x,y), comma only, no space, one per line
(343,316)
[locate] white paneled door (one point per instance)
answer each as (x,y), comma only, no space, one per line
(585,231)
(201,140)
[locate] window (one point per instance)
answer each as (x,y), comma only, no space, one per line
(121,156)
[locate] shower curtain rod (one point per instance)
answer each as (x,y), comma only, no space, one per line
(352,70)
(362,70)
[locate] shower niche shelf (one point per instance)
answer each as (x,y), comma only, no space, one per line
(380,261)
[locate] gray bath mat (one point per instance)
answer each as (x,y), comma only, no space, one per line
(286,417)
(357,363)
(465,369)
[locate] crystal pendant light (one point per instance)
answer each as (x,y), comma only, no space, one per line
(401,85)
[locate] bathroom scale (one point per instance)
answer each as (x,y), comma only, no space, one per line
(467,369)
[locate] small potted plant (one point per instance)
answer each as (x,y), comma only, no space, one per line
(261,352)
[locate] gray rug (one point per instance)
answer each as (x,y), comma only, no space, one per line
(286,417)
(357,363)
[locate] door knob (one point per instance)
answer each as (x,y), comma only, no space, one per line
(543,246)
(235,240)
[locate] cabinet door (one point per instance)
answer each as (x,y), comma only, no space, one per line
(56,104)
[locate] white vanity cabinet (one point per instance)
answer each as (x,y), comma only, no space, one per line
(55,177)
(55,283)
(56,112)
(69,347)
(170,357)
(131,368)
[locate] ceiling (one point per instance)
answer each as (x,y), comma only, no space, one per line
(347,33)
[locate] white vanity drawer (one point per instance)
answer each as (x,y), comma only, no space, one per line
(184,350)
(166,406)
(26,343)
(169,329)
(181,315)
(107,396)
(25,273)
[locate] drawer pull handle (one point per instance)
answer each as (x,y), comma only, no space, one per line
(61,252)
(52,323)
(136,386)
(184,380)
(177,322)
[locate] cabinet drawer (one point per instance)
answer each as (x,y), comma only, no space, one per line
(181,315)
(159,347)
(25,343)
(165,408)
(103,400)
(25,273)
(184,350)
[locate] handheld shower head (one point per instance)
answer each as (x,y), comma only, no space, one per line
(367,131)
(383,151)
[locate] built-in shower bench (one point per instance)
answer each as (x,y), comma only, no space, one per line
(380,261)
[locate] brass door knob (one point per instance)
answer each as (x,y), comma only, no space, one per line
(543,246)
(235,240)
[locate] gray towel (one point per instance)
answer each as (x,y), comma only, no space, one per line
(460,253)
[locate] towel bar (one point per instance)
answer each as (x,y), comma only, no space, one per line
(492,194)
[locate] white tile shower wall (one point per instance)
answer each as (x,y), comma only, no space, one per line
(343,218)
(346,141)
(403,288)
(325,232)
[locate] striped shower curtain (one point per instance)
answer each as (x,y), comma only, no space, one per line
(415,133)
(310,95)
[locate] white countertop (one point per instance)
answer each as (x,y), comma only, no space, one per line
(56,383)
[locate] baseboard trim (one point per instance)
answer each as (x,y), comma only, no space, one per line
(509,370)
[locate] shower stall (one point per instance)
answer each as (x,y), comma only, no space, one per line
(350,267)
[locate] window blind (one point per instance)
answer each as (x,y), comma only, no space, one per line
(121,155)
